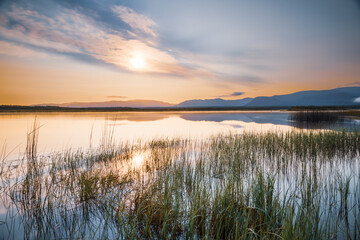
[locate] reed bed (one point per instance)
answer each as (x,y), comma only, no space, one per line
(317,119)
(274,185)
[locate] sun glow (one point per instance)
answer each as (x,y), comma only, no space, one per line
(137,160)
(138,62)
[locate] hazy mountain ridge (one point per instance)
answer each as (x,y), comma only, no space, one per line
(217,102)
(131,103)
(333,97)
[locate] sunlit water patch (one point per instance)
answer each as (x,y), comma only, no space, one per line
(64,131)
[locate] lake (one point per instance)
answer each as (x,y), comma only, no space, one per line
(206,174)
(64,131)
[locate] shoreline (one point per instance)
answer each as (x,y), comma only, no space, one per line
(15,109)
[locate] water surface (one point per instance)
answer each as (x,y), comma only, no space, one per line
(298,166)
(64,131)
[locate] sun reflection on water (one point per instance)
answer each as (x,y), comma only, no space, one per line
(137,160)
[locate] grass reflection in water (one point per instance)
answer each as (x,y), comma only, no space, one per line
(285,185)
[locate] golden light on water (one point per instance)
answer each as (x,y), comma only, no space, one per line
(137,160)
(128,127)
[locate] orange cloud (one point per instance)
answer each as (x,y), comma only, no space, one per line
(70,32)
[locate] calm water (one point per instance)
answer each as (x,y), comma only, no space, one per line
(64,131)
(72,131)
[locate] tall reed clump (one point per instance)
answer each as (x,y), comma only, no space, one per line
(316,119)
(287,185)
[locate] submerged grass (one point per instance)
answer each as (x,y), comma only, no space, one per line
(291,185)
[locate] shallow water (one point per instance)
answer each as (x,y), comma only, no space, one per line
(64,131)
(304,171)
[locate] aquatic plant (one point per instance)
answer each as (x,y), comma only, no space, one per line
(285,185)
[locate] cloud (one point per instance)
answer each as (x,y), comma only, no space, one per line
(136,20)
(64,32)
(234,94)
(248,80)
(353,84)
(72,33)
(77,35)
(357,100)
(15,50)
(122,97)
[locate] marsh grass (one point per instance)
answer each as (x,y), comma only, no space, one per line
(316,119)
(287,185)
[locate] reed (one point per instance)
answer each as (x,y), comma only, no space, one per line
(287,185)
(316,119)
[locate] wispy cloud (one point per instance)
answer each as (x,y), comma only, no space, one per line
(72,33)
(227,70)
(65,32)
(121,97)
(78,35)
(250,79)
(352,84)
(234,94)
(136,21)
(16,50)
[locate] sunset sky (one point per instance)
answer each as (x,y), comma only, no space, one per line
(57,51)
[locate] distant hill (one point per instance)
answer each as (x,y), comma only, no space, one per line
(217,102)
(107,104)
(334,97)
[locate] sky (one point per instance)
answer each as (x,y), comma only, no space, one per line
(58,51)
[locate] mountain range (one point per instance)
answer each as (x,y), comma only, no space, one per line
(111,104)
(334,97)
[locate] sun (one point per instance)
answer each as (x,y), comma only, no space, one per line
(137,62)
